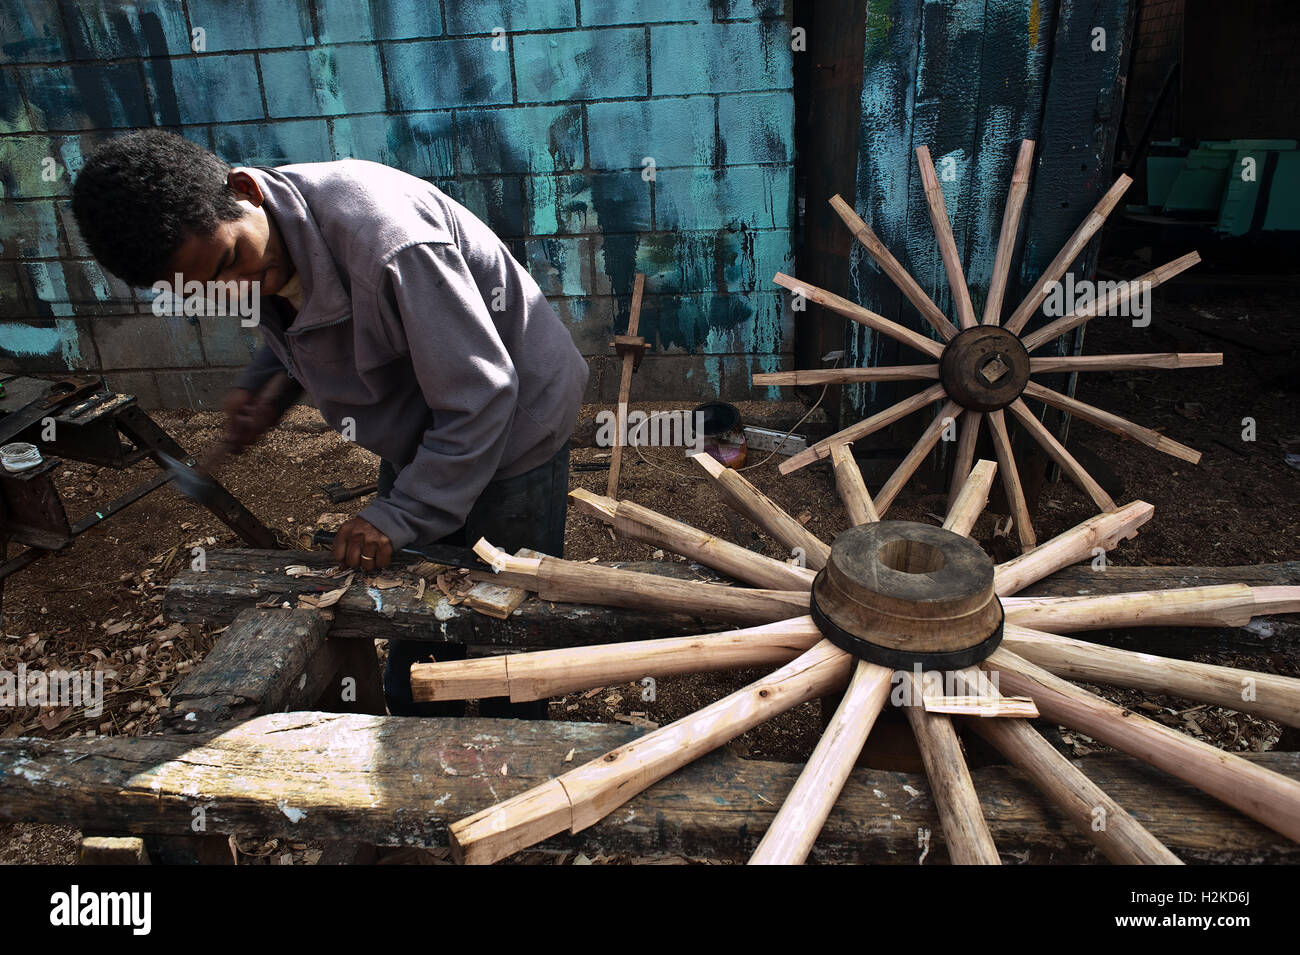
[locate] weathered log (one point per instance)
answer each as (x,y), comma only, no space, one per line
(397,781)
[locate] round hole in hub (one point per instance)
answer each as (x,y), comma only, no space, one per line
(911,556)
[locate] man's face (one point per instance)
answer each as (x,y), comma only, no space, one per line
(247,249)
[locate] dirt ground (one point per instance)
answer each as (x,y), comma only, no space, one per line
(97,604)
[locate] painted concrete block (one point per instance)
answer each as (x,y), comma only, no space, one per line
(210,89)
(110,29)
(43,345)
(41,166)
(202,390)
(520,139)
(728,198)
(720,57)
(583,64)
(13,109)
(235,25)
(323,81)
(484,16)
(601,202)
(422,144)
(498,202)
(87,97)
(684,377)
(31,31)
(29,230)
(442,74)
(607,12)
(719,324)
(341,21)
(672,132)
(142,384)
(720,261)
(747,9)
(274,144)
(756,127)
(590,320)
(560,266)
(226,342)
(148,341)
(13,291)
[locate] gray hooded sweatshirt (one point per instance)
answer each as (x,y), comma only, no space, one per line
(420,335)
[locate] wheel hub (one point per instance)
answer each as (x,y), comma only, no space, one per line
(984,368)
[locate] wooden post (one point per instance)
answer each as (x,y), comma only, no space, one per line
(630,361)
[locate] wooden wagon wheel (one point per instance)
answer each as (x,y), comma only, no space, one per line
(983,370)
(1034,662)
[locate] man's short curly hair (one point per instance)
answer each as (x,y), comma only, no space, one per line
(139,196)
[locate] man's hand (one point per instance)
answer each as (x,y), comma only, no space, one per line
(360,544)
(250,414)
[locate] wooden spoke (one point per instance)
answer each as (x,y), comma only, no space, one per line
(847,376)
(964,828)
(947,244)
(1264,694)
(1073,363)
(1065,258)
(544,673)
(949,413)
(1117,298)
(1223,605)
(1120,837)
(633,521)
(1056,451)
(860,315)
(822,449)
(1011,481)
(794,830)
(1076,544)
(891,267)
(1010,228)
(740,494)
(971,500)
(852,489)
(1112,422)
(965,457)
(1267,797)
(625,388)
(565,581)
(582,796)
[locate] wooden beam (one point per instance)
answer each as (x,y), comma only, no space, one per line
(1069,364)
(965,831)
(1112,422)
(1117,298)
(1010,228)
(582,797)
(803,813)
(971,500)
(950,411)
(1011,481)
(1056,451)
(891,267)
(822,449)
(943,235)
(633,521)
(852,489)
(741,495)
(1076,544)
(862,316)
(625,388)
(546,673)
(847,376)
(1264,694)
(1072,249)
(1266,797)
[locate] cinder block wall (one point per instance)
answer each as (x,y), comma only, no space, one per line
(545,137)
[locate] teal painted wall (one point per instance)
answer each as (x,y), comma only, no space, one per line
(544,139)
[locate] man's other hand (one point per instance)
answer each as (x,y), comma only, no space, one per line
(362,545)
(248,416)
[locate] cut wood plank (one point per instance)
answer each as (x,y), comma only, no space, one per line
(583,796)
(945,418)
(1112,422)
(822,449)
(625,387)
(803,813)
(973,497)
(1011,481)
(112,850)
(852,489)
(847,376)
(862,316)
(1266,797)
(1010,229)
(1069,364)
(1264,694)
(1064,459)
(1072,249)
(741,495)
(392,781)
(943,235)
(633,521)
(891,267)
(1101,531)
